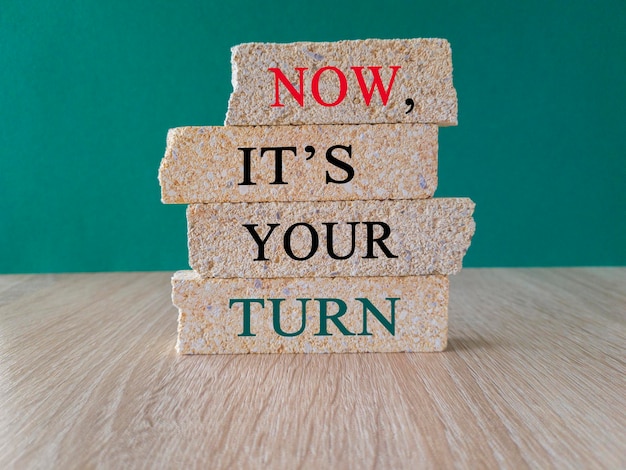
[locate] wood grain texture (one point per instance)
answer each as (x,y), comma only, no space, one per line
(534,376)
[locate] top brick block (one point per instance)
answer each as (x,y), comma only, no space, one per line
(371,81)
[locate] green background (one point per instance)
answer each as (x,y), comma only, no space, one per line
(89,88)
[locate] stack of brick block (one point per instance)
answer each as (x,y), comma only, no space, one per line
(311,221)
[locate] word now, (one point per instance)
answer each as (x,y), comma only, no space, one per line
(342,82)
(339,306)
(347,82)
(314,237)
(279,152)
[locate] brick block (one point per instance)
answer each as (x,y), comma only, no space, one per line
(328,239)
(316,315)
(387,161)
(345,82)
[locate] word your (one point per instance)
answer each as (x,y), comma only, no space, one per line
(279,152)
(371,240)
(324,303)
(298,94)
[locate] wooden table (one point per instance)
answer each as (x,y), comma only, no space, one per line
(534,376)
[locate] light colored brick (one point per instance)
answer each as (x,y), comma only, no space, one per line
(390,161)
(424,76)
(210,322)
(427,236)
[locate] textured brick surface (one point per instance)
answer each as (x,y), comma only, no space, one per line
(390,161)
(210,323)
(428,236)
(424,76)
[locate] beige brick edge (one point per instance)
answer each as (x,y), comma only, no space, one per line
(210,322)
